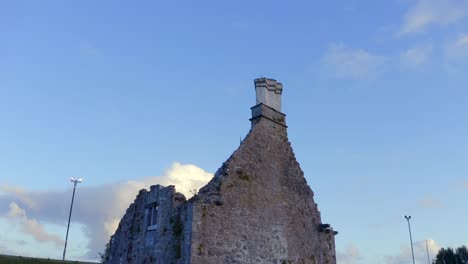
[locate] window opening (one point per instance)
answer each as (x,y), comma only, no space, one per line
(151,215)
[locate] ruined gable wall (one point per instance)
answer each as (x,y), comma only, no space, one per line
(125,245)
(259,208)
(165,242)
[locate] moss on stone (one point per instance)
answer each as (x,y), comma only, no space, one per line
(177,228)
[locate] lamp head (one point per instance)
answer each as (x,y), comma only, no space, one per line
(72,179)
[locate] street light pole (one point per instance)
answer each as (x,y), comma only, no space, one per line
(411,239)
(75,182)
(427,250)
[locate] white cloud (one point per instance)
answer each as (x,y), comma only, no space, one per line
(177,175)
(111,225)
(456,56)
(427,12)
(355,64)
(98,208)
(417,57)
(458,49)
(351,255)
(420,253)
(31,226)
(462,41)
(16,211)
(20,193)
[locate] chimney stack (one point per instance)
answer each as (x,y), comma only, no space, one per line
(269,92)
(268,103)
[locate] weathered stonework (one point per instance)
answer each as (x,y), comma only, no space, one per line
(137,240)
(257,208)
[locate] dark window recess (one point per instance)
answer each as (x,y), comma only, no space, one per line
(154,218)
(151,215)
(149,212)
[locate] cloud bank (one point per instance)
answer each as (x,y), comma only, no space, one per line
(350,255)
(420,253)
(31,226)
(416,57)
(354,64)
(98,208)
(429,12)
(458,49)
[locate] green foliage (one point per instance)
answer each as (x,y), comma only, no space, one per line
(450,256)
(201,249)
(462,253)
(178,250)
(103,257)
(246,177)
(177,228)
(204,212)
(135,230)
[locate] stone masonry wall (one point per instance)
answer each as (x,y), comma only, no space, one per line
(138,240)
(258,208)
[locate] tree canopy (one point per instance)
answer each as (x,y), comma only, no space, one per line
(451,256)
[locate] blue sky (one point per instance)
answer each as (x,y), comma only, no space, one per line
(128,94)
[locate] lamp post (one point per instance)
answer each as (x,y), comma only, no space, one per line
(75,182)
(411,239)
(427,250)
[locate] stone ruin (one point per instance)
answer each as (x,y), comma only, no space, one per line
(257,208)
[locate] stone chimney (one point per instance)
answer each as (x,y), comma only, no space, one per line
(269,92)
(268,102)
